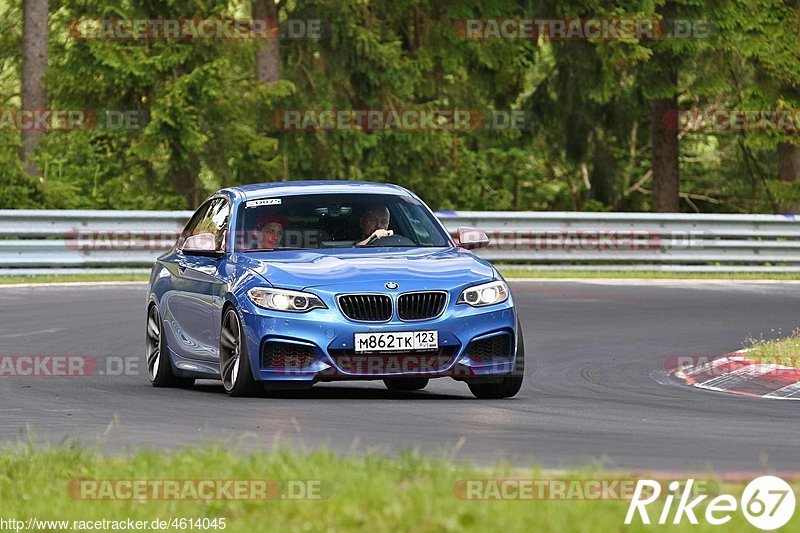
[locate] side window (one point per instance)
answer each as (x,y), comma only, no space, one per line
(211,217)
(219,215)
(188,231)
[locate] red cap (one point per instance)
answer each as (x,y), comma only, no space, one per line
(267,218)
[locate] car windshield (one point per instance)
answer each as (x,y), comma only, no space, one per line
(336,221)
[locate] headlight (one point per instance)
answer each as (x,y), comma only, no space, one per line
(285,300)
(485,294)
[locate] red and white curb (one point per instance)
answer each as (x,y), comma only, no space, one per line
(736,374)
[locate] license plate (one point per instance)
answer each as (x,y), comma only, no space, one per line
(396,341)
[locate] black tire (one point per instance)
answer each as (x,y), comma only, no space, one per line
(510,384)
(159,366)
(406,384)
(234,364)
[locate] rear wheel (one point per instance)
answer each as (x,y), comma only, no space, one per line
(234,364)
(159,367)
(406,384)
(510,384)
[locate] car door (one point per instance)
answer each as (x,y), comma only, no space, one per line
(195,303)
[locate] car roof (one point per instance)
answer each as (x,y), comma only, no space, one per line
(286,188)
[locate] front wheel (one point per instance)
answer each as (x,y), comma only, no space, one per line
(511,383)
(234,364)
(159,367)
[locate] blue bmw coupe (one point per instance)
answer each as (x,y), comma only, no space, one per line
(283,285)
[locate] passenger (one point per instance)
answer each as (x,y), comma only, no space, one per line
(374,224)
(269,230)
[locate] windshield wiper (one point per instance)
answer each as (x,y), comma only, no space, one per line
(277,249)
(400,246)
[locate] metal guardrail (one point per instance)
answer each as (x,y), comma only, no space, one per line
(620,241)
(41,241)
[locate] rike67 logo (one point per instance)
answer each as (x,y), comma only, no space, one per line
(767,502)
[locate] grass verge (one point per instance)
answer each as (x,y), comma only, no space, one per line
(784,352)
(364,493)
(71,278)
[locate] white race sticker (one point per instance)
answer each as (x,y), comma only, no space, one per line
(264,201)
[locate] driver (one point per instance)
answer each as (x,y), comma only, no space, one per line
(374,223)
(269,230)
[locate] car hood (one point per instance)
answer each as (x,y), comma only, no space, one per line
(299,269)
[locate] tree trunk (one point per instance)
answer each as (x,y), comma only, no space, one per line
(666,176)
(603,170)
(789,171)
(184,176)
(34,66)
(268,58)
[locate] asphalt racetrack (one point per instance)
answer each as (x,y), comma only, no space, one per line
(596,392)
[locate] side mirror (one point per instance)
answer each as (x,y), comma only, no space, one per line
(201,244)
(472,238)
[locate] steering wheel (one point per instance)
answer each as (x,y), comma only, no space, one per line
(391,240)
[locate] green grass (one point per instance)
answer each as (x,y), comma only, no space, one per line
(362,493)
(784,351)
(71,278)
(510,272)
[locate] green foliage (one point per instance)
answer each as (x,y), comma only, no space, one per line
(404,55)
(204,123)
(17,189)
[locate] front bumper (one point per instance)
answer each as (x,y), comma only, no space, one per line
(326,338)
